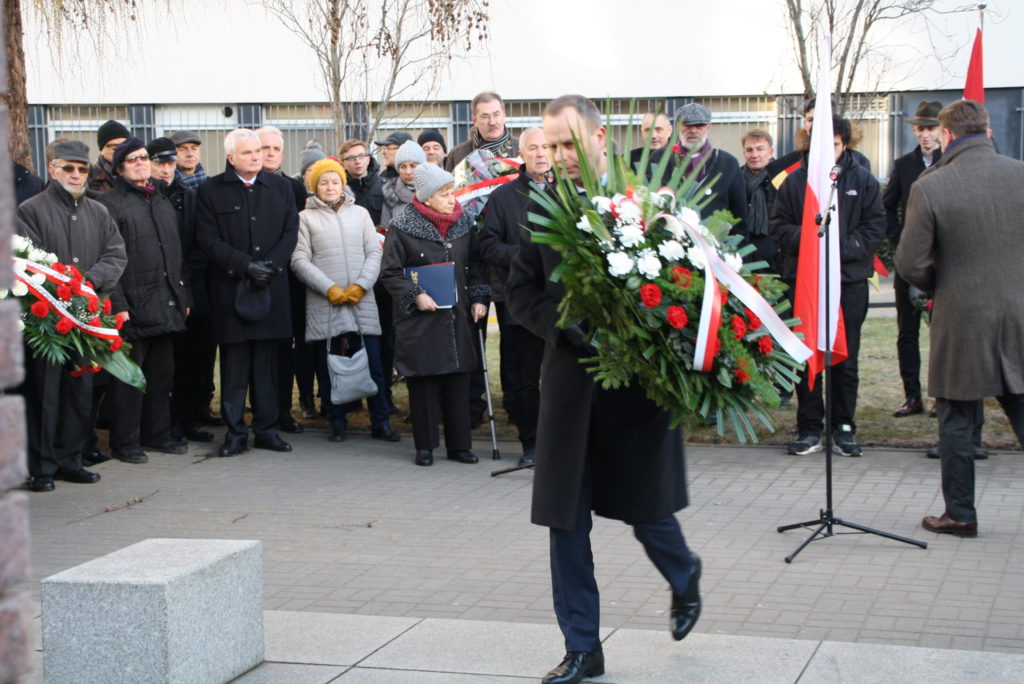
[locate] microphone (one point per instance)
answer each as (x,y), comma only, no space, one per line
(833,175)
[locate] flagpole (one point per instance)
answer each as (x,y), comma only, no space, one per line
(981,11)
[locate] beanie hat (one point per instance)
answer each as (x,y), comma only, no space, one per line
(432,135)
(162,150)
(409,152)
(313,152)
(123,150)
(111,130)
(319,168)
(430,179)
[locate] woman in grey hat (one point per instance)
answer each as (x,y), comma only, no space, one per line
(399,190)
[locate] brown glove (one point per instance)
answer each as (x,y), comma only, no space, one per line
(353,293)
(336,295)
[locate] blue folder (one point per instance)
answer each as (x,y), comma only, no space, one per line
(438,281)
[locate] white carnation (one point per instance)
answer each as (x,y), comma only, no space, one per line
(631,235)
(38,278)
(696,257)
(630,211)
(671,250)
(37,255)
(665,198)
(689,216)
(20,243)
(602,204)
(620,264)
(21,325)
(19,289)
(584,224)
(734,261)
(649,264)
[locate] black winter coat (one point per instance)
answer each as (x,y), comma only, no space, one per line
(636,462)
(861,220)
(504,219)
(236,225)
(905,171)
(184,201)
(367,191)
(26,183)
(729,191)
(442,341)
(152,288)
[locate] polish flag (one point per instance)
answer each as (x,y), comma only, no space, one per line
(813,270)
(975,87)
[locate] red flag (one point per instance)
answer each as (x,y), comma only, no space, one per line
(975,87)
(812,271)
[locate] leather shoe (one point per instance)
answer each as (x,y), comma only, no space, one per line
(980,453)
(233,445)
(208,417)
(130,456)
(337,434)
(197,435)
(686,606)
(527,457)
(386,433)
(911,407)
(41,483)
(94,457)
(272,443)
(168,447)
(575,667)
(80,476)
(944,523)
(289,424)
(424,457)
(462,456)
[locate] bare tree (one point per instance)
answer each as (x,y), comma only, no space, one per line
(373,53)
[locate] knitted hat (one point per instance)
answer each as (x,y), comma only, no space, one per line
(432,135)
(430,179)
(409,152)
(162,150)
(182,137)
(319,168)
(111,130)
(312,153)
(124,149)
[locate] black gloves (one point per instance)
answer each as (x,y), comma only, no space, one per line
(260,273)
(578,335)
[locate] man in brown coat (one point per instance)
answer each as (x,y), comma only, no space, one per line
(962,241)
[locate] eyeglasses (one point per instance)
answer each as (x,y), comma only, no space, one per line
(355,157)
(71,168)
(136,158)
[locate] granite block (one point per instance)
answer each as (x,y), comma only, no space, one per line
(14,636)
(14,549)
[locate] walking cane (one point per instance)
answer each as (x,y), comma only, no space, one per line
(490,409)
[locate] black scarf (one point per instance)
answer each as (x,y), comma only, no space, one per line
(502,147)
(757,205)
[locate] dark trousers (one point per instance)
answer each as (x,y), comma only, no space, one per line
(908,347)
(385,311)
(56,415)
(431,394)
(521,356)
(241,365)
(810,412)
(573,586)
(194,355)
(380,410)
(144,418)
(958,421)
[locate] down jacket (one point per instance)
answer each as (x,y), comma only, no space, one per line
(337,248)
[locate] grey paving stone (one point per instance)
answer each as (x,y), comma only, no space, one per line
(884,664)
(326,639)
(281,673)
(361,675)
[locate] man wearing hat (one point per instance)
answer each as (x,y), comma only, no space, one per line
(190,166)
(64,221)
(693,150)
(389,147)
(154,299)
(109,136)
(433,146)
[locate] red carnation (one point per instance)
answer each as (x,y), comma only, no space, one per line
(64,292)
(96,322)
(928,305)
(64,326)
(116,344)
(682,277)
(78,372)
(739,328)
(93,306)
(753,322)
(718,345)
(677,149)
(765,345)
(651,295)
(60,268)
(88,284)
(676,316)
(76,285)
(724,294)
(118,323)
(742,371)
(75,273)
(95,368)
(106,307)
(40,309)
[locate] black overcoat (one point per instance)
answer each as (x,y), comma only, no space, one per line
(236,225)
(433,342)
(636,462)
(729,192)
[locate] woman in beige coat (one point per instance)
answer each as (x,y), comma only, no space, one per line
(338,259)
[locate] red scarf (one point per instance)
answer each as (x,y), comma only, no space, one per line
(441,221)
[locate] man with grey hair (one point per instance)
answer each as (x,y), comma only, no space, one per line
(489,132)
(656,125)
(247,224)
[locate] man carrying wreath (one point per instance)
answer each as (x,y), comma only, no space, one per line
(612,452)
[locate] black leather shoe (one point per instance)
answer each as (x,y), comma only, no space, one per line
(911,407)
(463,456)
(686,606)
(272,443)
(575,667)
(80,476)
(233,445)
(167,447)
(94,457)
(337,434)
(386,433)
(980,453)
(289,425)
(130,456)
(424,457)
(197,435)
(41,483)
(527,457)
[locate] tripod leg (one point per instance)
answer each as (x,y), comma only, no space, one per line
(880,533)
(784,528)
(817,533)
(511,470)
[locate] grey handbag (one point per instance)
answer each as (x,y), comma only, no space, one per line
(350,375)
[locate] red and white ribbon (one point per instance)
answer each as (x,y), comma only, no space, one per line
(22,268)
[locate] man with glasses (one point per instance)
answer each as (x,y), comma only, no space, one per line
(489,131)
(364,179)
(109,136)
(62,220)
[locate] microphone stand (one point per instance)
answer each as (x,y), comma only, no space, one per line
(826,520)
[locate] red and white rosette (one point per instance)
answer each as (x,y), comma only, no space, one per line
(483,188)
(23,270)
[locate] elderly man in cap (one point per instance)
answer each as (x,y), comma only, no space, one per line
(62,220)
(489,131)
(153,298)
(247,225)
(434,146)
(109,136)
(190,166)
(693,150)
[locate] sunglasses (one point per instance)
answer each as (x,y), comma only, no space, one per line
(136,158)
(70,168)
